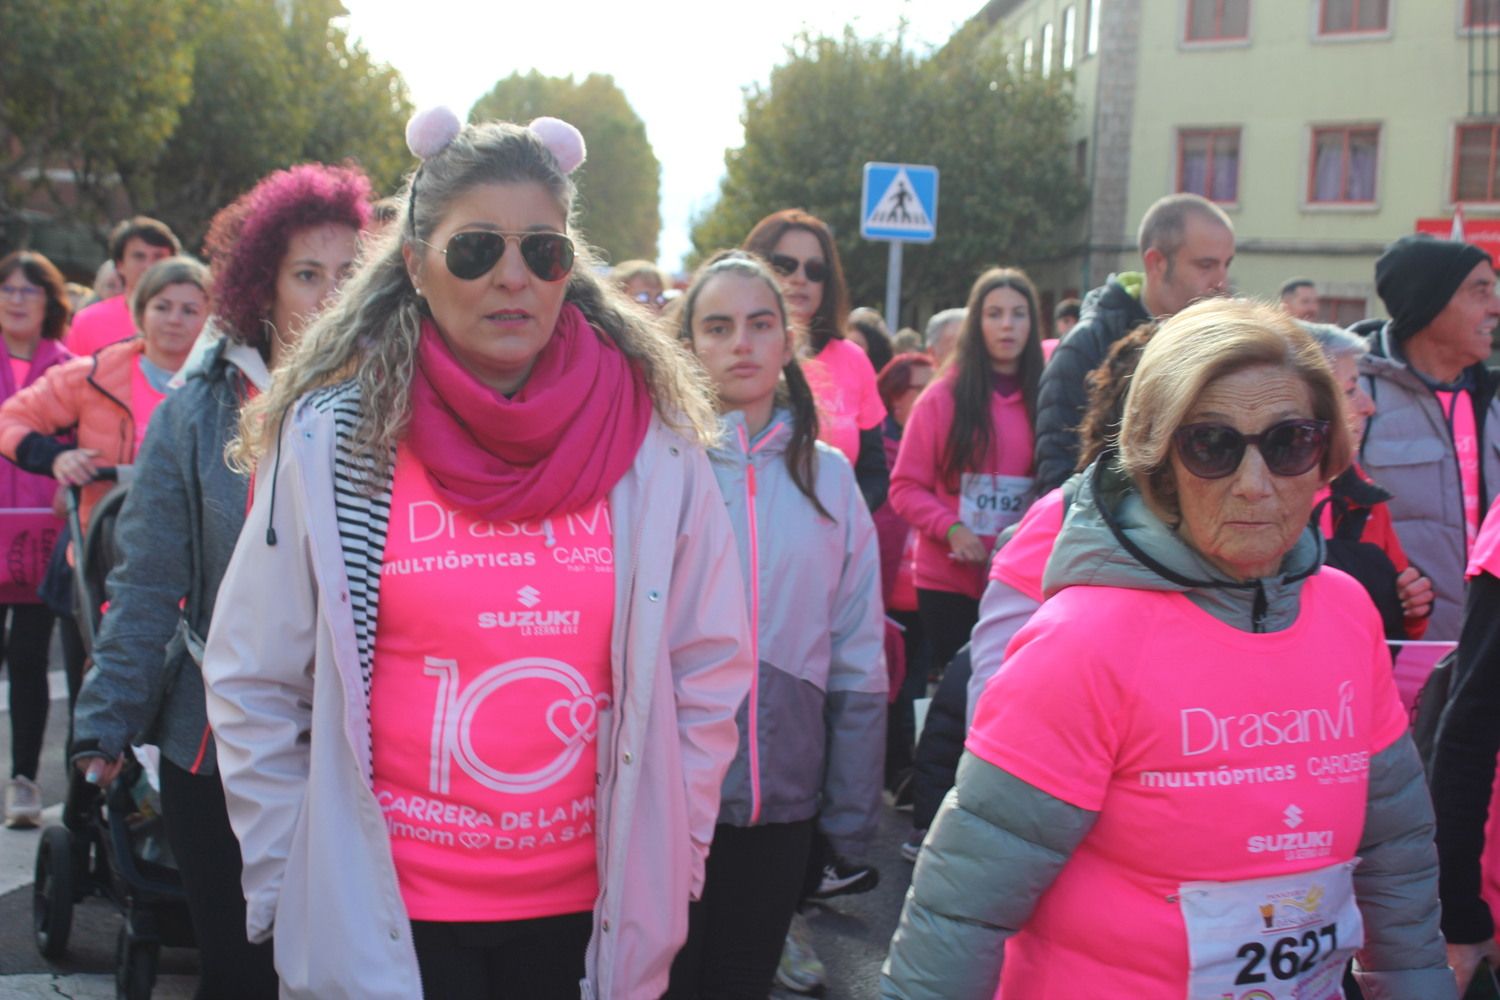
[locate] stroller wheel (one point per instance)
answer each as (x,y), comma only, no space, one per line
(135,966)
(52,892)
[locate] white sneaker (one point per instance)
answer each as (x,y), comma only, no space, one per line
(23,804)
(800,970)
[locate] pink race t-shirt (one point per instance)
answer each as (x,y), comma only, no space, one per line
(19,369)
(1485,557)
(1022,561)
(1460,410)
(491,675)
(843,383)
(144,399)
(1210,754)
(100,325)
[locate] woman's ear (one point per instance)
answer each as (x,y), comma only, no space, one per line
(413,266)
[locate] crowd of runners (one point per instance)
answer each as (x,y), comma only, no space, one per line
(508,625)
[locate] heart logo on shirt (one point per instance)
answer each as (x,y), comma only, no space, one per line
(578,719)
(474,841)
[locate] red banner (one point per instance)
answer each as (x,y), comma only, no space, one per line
(27,537)
(1483,233)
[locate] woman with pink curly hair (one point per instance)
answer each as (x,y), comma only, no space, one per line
(278,253)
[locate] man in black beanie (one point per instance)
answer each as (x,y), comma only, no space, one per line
(1434,441)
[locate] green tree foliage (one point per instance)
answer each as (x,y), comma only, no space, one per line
(1008,193)
(98,83)
(174,116)
(619,186)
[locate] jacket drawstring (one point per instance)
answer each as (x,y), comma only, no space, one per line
(275,474)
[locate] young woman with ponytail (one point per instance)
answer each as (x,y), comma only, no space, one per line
(963,473)
(812,730)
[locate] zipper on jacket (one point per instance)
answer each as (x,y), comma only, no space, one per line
(1258,608)
(754,547)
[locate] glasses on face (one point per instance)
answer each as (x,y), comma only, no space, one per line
(1289,448)
(815,270)
(23,292)
(650,298)
(474,253)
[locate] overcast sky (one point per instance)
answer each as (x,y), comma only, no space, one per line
(682,65)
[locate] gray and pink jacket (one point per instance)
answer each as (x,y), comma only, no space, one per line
(812,730)
(286,671)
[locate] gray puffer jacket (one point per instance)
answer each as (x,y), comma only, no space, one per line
(175,534)
(812,731)
(1408,449)
(999,842)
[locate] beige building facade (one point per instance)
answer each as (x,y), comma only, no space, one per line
(1324,128)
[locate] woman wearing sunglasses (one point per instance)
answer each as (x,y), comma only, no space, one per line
(1192,776)
(278,252)
(801,250)
(476,698)
(963,473)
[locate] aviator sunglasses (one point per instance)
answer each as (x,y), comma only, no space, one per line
(816,270)
(472,254)
(1289,448)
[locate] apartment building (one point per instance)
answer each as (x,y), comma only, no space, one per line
(1324,128)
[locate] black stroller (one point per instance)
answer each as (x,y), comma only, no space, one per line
(111,843)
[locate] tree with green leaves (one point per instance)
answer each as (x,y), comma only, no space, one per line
(98,84)
(619,185)
(1008,193)
(165,114)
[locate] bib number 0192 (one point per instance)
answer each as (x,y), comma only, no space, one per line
(1288,958)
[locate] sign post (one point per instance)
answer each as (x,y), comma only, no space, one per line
(898,204)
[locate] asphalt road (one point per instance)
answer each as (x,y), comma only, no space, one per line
(851,933)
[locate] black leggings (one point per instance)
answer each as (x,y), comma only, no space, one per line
(947,618)
(521,959)
(26,638)
(208,857)
(736,931)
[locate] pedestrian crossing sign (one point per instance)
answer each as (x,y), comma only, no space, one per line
(899,202)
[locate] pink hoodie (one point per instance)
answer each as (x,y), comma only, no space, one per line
(919,495)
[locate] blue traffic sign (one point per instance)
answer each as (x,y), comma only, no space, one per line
(899,202)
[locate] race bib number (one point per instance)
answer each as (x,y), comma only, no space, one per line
(1282,938)
(987,504)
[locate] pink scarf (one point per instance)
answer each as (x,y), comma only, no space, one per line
(558,444)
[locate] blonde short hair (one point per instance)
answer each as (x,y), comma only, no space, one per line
(1198,346)
(162,275)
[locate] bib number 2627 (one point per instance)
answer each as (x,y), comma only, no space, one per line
(1286,937)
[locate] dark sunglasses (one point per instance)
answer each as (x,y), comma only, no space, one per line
(473,253)
(816,270)
(1289,448)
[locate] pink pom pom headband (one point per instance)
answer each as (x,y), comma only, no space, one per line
(431,130)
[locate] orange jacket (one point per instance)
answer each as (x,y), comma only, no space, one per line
(90,393)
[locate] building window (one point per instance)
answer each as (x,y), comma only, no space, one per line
(1208,163)
(1341,312)
(1069,31)
(1481,13)
(1352,17)
(1027,55)
(1091,27)
(1047,49)
(1218,20)
(1342,170)
(1476,167)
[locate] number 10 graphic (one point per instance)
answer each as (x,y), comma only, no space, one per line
(573,719)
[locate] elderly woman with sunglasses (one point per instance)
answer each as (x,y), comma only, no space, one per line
(1192,776)
(479,651)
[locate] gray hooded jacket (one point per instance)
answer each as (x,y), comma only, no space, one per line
(812,731)
(998,842)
